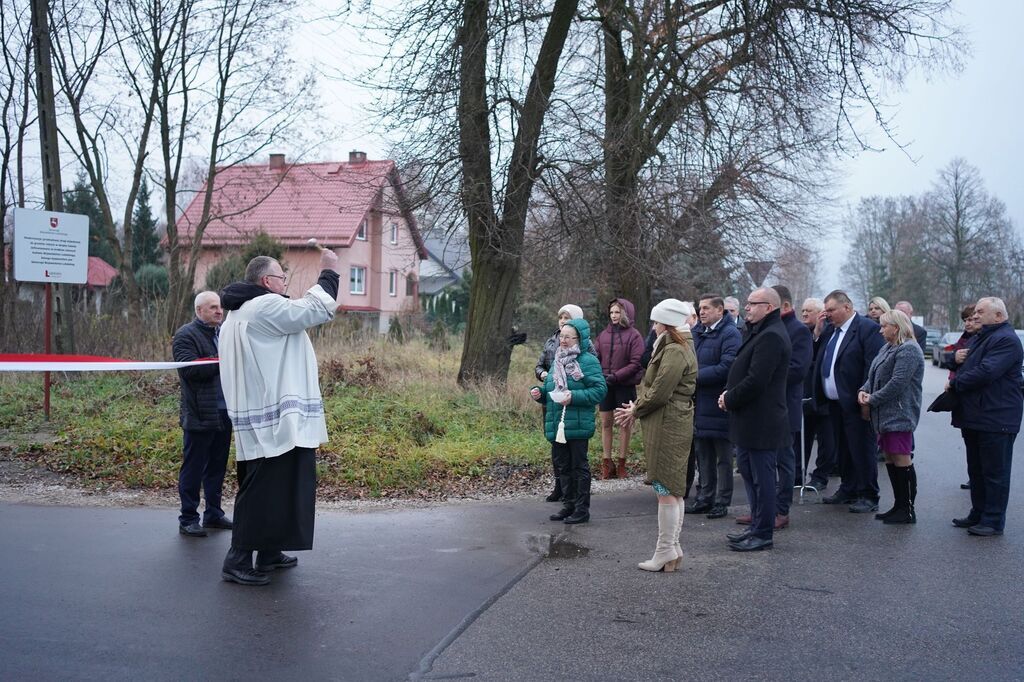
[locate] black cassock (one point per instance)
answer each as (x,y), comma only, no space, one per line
(276,502)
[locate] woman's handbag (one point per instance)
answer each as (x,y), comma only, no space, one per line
(946,401)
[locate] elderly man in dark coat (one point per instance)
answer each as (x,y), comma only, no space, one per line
(204,419)
(755,398)
(991,405)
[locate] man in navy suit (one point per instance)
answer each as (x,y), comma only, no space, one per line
(799,364)
(849,342)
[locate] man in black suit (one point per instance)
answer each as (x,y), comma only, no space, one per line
(755,398)
(799,365)
(920,333)
(849,342)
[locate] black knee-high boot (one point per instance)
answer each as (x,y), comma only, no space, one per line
(901,490)
(912,473)
(890,467)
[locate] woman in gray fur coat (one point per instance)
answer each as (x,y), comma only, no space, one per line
(892,393)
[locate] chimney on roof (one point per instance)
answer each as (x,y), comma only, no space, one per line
(277,162)
(356,157)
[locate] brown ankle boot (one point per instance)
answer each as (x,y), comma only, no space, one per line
(607,469)
(622,473)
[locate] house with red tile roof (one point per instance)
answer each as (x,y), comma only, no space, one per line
(358,208)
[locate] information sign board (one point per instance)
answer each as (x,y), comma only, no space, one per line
(50,247)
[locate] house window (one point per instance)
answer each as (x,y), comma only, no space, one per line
(410,285)
(356,280)
(392,283)
(361,234)
(394,233)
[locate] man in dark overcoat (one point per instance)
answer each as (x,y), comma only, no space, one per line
(203,418)
(755,398)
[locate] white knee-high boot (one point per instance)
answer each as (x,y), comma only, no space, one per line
(664,553)
(679,531)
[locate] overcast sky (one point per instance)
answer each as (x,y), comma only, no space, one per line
(976,114)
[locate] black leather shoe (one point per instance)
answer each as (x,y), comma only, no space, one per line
(244,576)
(554,496)
(965,486)
(738,536)
(578,517)
(863,506)
(750,544)
(193,530)
(223,523)
(265,564)
(698,508)
(903,515)
(984,531)
(965,522)
(718,512)
(839,498)
(562,514)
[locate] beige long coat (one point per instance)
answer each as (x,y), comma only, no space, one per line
(664,406)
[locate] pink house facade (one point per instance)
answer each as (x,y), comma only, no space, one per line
(357,208)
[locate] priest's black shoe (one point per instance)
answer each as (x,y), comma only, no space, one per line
(193,530)
(268,561)
(965,522)
(738,536)
(698,508)
(750,544)
(223,523)
(244,576)
(578,517)
(562,514)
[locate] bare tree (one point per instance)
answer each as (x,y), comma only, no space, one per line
(15,103)
(227,95)
(966,222)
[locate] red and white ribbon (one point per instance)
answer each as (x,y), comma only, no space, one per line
(10,362)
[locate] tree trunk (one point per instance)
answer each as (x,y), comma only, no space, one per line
(496,243)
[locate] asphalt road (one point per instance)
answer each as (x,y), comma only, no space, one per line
(478,591)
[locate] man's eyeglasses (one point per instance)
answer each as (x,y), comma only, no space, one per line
(283,278)
(751,304)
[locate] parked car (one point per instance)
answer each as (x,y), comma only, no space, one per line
(934,335)
(942,352)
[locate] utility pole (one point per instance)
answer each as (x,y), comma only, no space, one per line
(52,188)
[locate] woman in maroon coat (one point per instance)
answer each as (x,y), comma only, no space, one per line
(619,348)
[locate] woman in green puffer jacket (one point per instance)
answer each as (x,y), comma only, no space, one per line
(572,389)
(664,406)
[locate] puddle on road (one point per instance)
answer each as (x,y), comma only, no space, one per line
(555,547)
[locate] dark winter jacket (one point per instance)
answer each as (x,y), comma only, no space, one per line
(645,359)
(547,356)
(856,350)
(755,395)
(921,335)
(716,350)
(620,348)
(988,384)
(201,396)
(587,393)
(802,342)
(894,382)
(963,342)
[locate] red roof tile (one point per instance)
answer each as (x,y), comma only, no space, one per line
(100,273)
(325,200)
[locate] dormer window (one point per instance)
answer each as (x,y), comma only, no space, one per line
(361,234)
